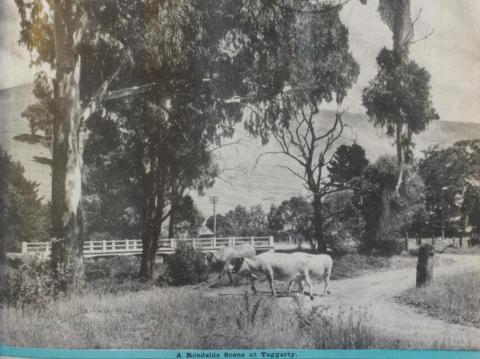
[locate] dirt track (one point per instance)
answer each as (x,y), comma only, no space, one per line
(377,292)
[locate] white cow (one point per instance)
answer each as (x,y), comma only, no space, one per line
(295,267)
(220,260)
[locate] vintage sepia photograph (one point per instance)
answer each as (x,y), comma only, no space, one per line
(239,175)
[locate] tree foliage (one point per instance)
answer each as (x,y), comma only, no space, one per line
(398,100)
(23,218)
(452,187)
(348,163)
(186,220)
(240,222)
(40,114)
(387,215)
(312,66)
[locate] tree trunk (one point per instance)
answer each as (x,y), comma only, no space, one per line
(318,224)
(152,219)
(402,28)
(67,218)
(400,158)
(172,223)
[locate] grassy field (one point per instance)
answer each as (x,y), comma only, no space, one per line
(455,298)
(163,318)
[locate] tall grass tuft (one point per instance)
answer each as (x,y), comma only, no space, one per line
(454,298)
(184,318)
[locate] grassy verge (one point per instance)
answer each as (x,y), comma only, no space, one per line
(185,318)
(455,298)
(352,265)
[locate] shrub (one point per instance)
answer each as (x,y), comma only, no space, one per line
(113,275)
(33,282)
(185,266)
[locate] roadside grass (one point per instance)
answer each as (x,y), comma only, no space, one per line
(186,318)
(475,250)
(351,265)
(453,298)
(354,264)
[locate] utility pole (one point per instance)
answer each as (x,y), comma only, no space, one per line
(214,200)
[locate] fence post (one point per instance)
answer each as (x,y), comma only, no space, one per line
(24,247)
(172,243)
(193,242)
(127,244)
(270,241)
(233,241)
(425,265)
(104,246)
(214,241)
(252,241)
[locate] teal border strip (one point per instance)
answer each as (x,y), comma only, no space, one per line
(234,354)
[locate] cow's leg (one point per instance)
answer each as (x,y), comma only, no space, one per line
(290,286)
(252,283)
(270,281)
(217,281)
(229,272)
(297,279)
(327,282)
(309,282)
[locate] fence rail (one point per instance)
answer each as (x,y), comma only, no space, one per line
(134,246)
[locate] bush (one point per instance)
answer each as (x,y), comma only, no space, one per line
(118,267)
(185,266)
(33,282)
(114,275)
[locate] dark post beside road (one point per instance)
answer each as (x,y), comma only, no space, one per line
(425,265)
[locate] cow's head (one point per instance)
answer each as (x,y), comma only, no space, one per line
(214,264)
(237,263)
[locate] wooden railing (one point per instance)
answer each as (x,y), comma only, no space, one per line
(134,246)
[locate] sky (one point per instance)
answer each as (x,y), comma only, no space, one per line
(451,54)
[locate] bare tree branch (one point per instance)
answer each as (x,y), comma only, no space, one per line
(293,172)
(259,157)
(237,142)
(426,36)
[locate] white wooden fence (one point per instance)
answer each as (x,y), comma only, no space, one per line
(134,246)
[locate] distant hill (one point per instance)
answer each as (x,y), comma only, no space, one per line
(13,102)
(238,184)
(270,183)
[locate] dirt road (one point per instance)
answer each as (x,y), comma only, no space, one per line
(377,291)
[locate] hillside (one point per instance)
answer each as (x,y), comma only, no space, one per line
(13,102)
(270,183)
(239,183)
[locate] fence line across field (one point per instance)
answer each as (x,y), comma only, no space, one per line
(165,245)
